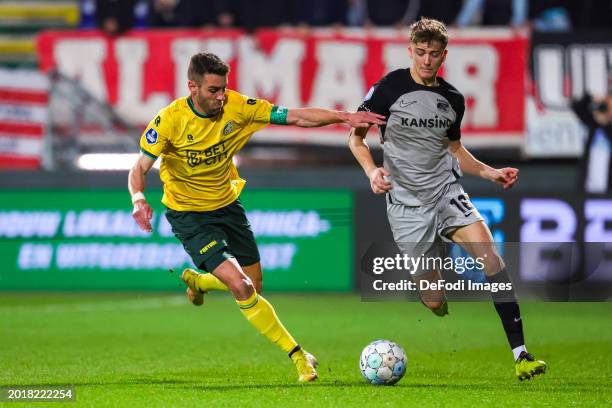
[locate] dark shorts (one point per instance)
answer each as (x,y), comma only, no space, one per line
(211,237)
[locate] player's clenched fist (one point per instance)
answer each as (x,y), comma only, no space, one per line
(142,214)
(506,176)
(510,176)
(378,182)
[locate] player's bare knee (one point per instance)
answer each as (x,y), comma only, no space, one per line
(246,288)
(241,287)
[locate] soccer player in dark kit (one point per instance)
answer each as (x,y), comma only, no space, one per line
(423,161)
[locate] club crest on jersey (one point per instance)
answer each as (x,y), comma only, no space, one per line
(151,136)
(443,105)
(227,129)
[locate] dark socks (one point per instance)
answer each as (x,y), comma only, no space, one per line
(508,310)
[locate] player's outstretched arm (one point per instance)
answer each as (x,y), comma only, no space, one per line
(142,212)
(315,117)
(506,176)
(362,153)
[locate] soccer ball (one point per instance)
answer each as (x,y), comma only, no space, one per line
(383,362)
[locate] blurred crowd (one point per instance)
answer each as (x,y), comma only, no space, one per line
(116,16)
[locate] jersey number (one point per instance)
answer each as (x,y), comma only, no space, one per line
(463,204)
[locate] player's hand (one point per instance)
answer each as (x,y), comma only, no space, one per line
(142,214)
(364,119)
(506,176)
(377,180)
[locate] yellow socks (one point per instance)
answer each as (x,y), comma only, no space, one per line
(260,313)
(208,281)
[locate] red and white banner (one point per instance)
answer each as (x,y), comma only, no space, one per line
(23,118)
(143,71)
(564,66)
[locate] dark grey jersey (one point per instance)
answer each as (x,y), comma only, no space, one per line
(420,122)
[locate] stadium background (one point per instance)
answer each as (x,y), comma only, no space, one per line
(74,99)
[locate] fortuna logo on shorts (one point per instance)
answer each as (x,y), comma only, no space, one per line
(435,122)
(214,154)
(208,246)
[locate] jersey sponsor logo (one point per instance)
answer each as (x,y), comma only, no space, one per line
(227,129)
(404,104)
(435,122)
(443,105)
(151,136)
(206,247)
(251,101)
(193,158)
(213,155)
(157,121)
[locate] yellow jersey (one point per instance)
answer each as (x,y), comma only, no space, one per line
(196,151)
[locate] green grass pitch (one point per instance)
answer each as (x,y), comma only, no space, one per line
(150,350)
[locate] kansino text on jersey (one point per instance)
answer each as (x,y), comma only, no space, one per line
(430,123)
(461,285)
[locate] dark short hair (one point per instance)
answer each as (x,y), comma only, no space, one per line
(206,63)
(428,30)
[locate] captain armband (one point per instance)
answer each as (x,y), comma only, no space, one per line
(278,115)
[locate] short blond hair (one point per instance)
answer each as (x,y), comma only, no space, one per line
(428,30)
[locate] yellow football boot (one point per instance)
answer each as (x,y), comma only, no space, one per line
(195,295)
(528,367)
(306,365)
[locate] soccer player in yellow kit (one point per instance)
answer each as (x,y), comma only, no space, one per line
(197,137)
